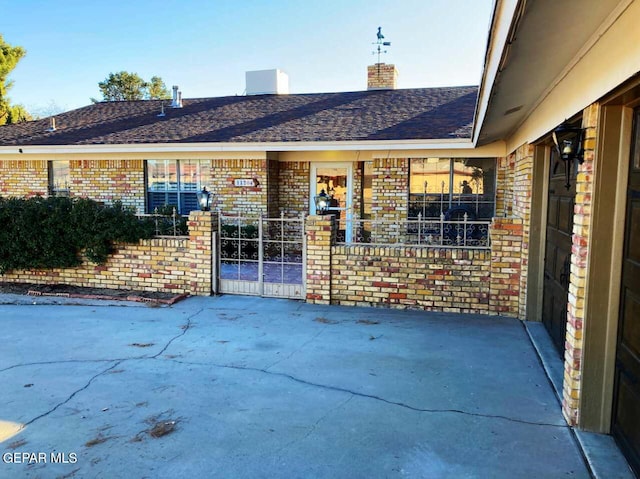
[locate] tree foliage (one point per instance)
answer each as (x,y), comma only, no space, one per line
(9,58)
(157,90)
(56,232)
(123,86)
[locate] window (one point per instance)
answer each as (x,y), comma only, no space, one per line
(174,183)
(452,186)
(59,177)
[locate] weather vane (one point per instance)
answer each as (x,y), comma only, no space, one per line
(380,43)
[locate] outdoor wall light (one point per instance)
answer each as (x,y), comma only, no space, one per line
(568,142)
(322,202)
(204,199)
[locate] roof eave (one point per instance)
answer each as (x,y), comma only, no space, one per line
(425,144)
(504,22)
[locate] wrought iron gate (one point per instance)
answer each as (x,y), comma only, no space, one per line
(261,256)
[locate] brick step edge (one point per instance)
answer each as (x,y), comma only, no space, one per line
(137,299)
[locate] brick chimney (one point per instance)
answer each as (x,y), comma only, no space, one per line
(382,77)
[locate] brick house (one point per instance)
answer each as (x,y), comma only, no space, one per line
(564,234)
(383,154)
(147,153)
(575,63)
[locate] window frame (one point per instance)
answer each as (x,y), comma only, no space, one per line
(171,192)
(451,201)
(55,190)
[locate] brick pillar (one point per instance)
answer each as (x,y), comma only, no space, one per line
(321,234)
(202,224)
(390,201)
(382,76)
(522,189)
(505,180)
(579,258)
(506,266)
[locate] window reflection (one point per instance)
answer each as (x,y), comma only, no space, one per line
(173,183)
(445,185)
(59,177)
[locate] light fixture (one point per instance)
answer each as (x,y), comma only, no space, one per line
(568,142)
(204,199)
(322,202)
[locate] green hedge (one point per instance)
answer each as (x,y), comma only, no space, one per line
(57,232)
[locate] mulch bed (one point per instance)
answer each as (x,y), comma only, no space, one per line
(69,291)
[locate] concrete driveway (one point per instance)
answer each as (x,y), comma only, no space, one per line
(240,387)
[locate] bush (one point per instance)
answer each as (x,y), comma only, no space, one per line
(44,233)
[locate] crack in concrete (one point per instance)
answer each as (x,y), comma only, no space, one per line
(377,398)
(73,394)
(184,331)
(105,371)
(108,360)
(302,346)
(314,425)
(62,361)
(266,370)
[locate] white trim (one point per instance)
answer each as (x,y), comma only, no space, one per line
(239,147)
(499,32)
(348,209)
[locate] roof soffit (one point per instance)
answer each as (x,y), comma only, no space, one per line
(546,38)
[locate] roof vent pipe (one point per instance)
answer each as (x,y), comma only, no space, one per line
(176,102)
(52,124)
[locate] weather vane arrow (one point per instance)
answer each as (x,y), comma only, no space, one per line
(380,43)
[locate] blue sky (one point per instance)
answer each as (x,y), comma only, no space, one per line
(206,46)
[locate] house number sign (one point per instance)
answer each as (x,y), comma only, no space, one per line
(245,182)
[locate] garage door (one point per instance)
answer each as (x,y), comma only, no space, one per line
(557,262)
(626,407)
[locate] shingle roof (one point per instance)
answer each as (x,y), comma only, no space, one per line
(421,113)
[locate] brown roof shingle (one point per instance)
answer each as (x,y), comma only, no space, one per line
(421,113)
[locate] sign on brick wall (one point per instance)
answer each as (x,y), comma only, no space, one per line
(245,182)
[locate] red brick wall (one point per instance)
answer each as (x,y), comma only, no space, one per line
(579,257)
(522,187)
(219,175)
(179,265)
(434,279)
(293,181)
(505,180)
(506,265)
(321,233)
(109,180)
(23,178)
(381,76)
(411,277)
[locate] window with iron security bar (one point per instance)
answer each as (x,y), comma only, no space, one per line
(426,232)
(452,186)
(167,222)
(261,256)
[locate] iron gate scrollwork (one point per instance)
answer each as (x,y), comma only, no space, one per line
(261,256)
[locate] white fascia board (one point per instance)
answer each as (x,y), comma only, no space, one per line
(504,12)
(238,147)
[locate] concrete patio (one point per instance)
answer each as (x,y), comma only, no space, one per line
(251,387)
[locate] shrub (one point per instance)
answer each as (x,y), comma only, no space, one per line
(44,233)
